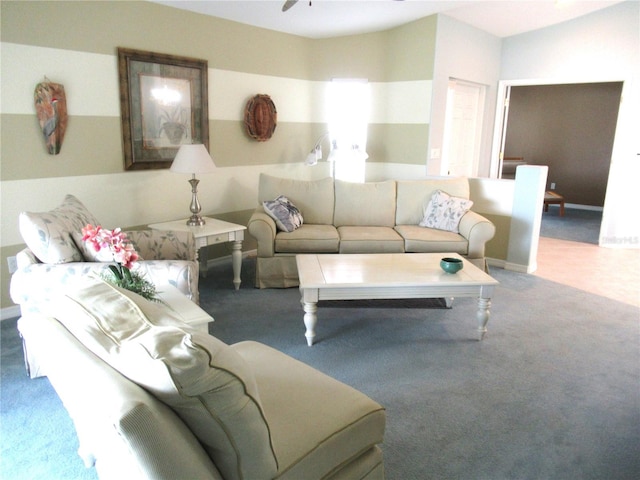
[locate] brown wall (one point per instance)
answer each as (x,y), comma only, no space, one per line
(569,128)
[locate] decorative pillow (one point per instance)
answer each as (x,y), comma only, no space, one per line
(444,212)
(285,213)
(50,235)
(207,383)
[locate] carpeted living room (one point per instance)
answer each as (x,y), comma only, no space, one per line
(551,392)
(531,372)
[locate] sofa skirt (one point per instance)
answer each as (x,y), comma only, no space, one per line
(280,271)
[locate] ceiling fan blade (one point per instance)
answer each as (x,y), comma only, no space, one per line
(288,4)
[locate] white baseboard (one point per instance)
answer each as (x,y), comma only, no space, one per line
(577,206)
(9,312)
(515,267)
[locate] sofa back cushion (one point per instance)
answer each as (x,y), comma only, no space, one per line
(53,236)
(202,379)
(365,204)
(123,430)
(414,196)
(313,198)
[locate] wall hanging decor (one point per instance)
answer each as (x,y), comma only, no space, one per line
(164,104)
(51,109)
(260,117)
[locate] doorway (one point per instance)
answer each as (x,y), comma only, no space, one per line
(463,128)
(570,127)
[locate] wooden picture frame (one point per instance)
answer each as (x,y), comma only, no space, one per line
(164,104)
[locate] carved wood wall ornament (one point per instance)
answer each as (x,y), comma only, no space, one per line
(260,117)
(51,109)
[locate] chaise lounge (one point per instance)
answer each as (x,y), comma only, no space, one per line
(153,398)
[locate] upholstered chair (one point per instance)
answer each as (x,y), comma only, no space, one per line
(56,257)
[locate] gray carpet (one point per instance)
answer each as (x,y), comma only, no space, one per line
(553,392)
(577,225)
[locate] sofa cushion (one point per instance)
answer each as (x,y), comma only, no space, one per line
(284,213)
(308,239)
(365,204)
(53,236)
(429,240)
(370,240)
(444,211)
(351,424)
(209,385)
(414,195)
(314,198)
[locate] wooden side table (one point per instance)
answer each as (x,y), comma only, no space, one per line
(214,231)
(552,198)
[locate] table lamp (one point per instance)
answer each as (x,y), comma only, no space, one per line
(193,159)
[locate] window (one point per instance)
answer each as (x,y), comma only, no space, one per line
(348,113)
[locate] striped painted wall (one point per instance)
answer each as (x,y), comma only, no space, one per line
(74,43)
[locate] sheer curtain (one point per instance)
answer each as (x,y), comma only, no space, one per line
(348,112)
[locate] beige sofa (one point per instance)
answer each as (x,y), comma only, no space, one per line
(373,217)
(152,398)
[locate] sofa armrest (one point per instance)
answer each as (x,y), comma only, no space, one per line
(36,283)
(263,228)
(182,274)
(163,244)
(26,257)
(478,231)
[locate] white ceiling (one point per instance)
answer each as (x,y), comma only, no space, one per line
(332,18)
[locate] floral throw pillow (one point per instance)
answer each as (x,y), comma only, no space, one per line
(50,235)
(285,213)
(443,212)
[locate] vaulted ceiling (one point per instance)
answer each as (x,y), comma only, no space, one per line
(332,18)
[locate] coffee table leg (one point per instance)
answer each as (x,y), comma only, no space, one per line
(310,320)
(484,304)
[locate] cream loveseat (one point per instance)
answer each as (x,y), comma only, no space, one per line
(373,217)
(152,398)
(54,255)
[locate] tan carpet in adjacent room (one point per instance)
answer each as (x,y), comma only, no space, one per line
(610,272)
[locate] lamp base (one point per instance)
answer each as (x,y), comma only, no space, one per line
(195,221)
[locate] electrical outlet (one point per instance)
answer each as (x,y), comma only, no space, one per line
(13,264)
(553,185)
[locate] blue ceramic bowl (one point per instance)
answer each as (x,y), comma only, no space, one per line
(451,265)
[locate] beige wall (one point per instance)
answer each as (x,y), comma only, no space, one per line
(74,43)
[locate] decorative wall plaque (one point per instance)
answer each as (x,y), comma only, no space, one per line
(51,109)
(260,117)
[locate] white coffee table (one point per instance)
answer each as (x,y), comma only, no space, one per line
(214,231)
(388,276)
(185,308)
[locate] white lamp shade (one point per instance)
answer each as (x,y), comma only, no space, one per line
(193,159)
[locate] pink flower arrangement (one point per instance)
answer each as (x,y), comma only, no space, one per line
(115,240)
(124,255)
